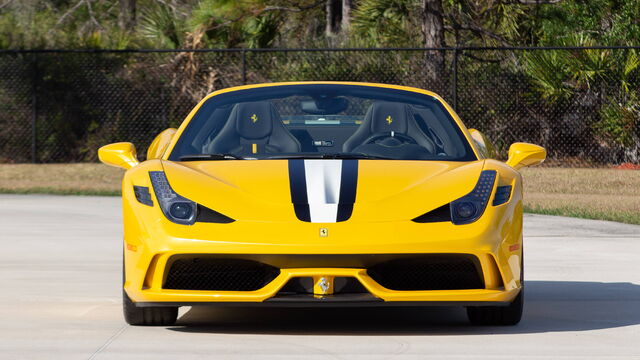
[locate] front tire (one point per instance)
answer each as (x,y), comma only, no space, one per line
(148,316)
(497,315)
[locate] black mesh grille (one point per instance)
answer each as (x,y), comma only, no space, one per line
(219,274)
(433,272)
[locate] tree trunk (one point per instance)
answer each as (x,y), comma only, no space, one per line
(433,29)
(127,16)
(334,14)
(347,6)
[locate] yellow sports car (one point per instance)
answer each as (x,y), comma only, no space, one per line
(322,194)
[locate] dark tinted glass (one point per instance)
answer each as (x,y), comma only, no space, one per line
(321,120)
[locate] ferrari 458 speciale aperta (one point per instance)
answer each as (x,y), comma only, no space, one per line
(322,194)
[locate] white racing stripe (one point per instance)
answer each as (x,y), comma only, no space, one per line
(323,189)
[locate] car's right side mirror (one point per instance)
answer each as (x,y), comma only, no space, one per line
(121,155)
(525,154)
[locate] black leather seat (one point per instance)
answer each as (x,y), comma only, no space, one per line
(253,128)
(385,117)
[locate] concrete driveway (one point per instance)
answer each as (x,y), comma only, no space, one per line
(60,298)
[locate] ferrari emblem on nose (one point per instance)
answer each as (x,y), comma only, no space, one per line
(389,119)
(324,284)
(324,232)
(254,118)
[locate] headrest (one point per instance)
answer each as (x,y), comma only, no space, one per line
(389,116)
(253,119)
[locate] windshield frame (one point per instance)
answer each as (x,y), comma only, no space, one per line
(472,153)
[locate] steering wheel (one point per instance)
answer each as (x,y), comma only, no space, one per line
(390,139)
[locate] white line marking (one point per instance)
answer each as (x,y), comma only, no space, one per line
(323,189)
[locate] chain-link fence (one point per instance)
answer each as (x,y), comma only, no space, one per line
(582,104)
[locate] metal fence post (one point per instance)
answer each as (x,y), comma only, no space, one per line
(454,85)
(34,109)
(244,67)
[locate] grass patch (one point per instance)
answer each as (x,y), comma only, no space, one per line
(603,194)
(54,191)
(61,179)
(620,216)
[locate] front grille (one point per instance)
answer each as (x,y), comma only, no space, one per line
(304,285)
(429,272)
(219,274)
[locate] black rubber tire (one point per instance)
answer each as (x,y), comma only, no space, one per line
(148,316)
(497,315)
(500,315)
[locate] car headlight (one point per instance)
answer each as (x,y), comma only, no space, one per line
(470,207)
(176,208)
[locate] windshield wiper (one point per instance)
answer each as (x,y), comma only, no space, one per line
(203,157)
(296,156)
(354,156)
(329,156)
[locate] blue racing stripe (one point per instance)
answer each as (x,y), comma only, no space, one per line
(348,187)
(298,186)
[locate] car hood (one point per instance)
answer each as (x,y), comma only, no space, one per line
(322,190)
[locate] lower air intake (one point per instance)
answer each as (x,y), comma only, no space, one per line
(219,275)
(430,272)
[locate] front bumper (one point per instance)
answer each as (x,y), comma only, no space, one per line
(147,288)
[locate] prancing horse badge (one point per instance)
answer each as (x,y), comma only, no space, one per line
(324,232)
(324,284)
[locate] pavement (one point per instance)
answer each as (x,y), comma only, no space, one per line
(60,298)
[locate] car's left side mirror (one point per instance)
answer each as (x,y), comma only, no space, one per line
(122,154)
(525,154)
(160,144)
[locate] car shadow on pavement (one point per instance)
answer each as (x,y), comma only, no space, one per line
(550,306)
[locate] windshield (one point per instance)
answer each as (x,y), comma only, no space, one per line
(322,121)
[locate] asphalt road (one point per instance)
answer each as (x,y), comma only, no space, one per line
(60,298)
